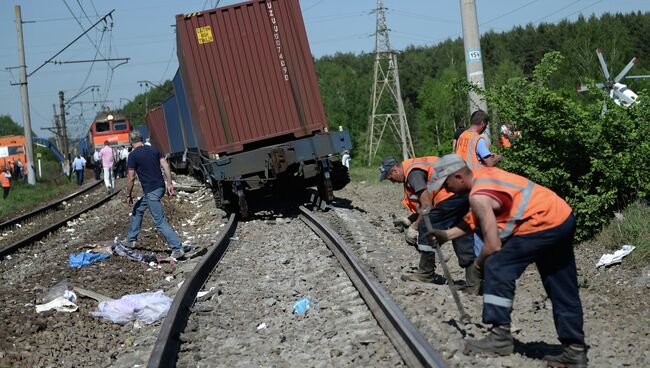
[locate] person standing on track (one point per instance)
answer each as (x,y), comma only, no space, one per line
(123,156)
(106,155)
(98,164)
(522,223)
(5,179)
(79,165)
(445,210)
(146,161)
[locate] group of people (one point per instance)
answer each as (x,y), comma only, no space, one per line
(13,170)
(499,223)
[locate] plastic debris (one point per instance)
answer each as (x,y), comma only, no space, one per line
(85,259)
(610,259)
(303,305)
(261,326)
(59,290)
(145,307)
(60,304)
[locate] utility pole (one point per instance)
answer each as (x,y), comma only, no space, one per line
(64,129)
(386,81)
(57,133)
(24,94)
(473,56)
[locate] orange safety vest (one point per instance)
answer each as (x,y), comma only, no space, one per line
(504,141)
(534,208)
(411,199)
(6,183)
(466,148)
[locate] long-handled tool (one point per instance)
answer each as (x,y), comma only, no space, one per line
(464,317)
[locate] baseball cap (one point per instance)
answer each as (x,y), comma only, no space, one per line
(386,164)
(445,166)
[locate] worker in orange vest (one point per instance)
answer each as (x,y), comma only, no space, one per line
(521,223)
(505,135)
(473,148)
(445,210)
(5,180)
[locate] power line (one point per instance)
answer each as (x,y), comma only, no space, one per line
(557,11)
(80,25)
(508,13)
(313,5)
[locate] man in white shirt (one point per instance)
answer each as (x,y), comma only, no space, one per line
(98,164)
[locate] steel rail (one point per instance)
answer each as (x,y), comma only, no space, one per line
(37,211)
(42,233)
(165,350)
(411,345)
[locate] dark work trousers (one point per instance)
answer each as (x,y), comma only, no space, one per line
(445,215)
(5,192)
(80,177)
(98,170)
(552,251)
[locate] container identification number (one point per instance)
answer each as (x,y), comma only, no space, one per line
(278,42)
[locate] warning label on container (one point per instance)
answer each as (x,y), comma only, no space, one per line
(204,35)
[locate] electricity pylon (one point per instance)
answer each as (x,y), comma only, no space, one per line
(385,87)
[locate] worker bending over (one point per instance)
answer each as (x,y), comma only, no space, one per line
(521,223)
(445,210)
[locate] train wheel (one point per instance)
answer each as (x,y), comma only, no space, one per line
(325,189)
(241,197)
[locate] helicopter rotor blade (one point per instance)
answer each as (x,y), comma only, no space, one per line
(581,88)
(603,65)
(637,76)
(600,85)
(625,70)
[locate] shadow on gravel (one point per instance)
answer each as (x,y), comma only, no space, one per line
(536,349)
(346,203)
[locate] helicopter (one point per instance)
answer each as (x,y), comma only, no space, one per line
(617,91)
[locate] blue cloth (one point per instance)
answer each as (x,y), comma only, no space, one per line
(151,201)
(84,259)
(482,150)
(552,252)
(145,160)
(445,215)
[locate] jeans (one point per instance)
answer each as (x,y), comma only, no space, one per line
(80,176)
(151,201)
(109,181)
(552,252)
(443,216)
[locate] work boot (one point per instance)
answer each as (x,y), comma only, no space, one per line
(426,270)
(499,341)
(573,356)
(472,281)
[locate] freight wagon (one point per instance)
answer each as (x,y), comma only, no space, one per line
(249,114)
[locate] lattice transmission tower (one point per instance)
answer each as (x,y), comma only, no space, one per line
(387,108)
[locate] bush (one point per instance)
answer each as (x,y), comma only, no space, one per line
(599,164)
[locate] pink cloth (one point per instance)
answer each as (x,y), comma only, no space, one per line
(106,154)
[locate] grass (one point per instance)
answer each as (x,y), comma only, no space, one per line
(630,227)
(364,173)
(23,195)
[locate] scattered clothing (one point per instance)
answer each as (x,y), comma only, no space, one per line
(121,250)
(85,259)
(616,257)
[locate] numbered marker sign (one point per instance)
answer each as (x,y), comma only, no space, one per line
(473,55)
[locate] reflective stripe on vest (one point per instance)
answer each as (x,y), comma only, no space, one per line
(526,191)
(470,154)
(426,164)
(499,301)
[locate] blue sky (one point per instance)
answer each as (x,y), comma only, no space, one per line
(142,31)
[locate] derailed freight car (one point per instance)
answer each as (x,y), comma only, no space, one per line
(254,101)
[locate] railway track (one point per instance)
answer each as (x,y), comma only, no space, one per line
(361,312)
(57,216)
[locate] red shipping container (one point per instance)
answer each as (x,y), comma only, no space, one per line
(155,121)
(249,75)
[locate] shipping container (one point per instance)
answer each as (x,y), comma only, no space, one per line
(184,113)
(173,125)
(155,121)
(143,132)
(249,76)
